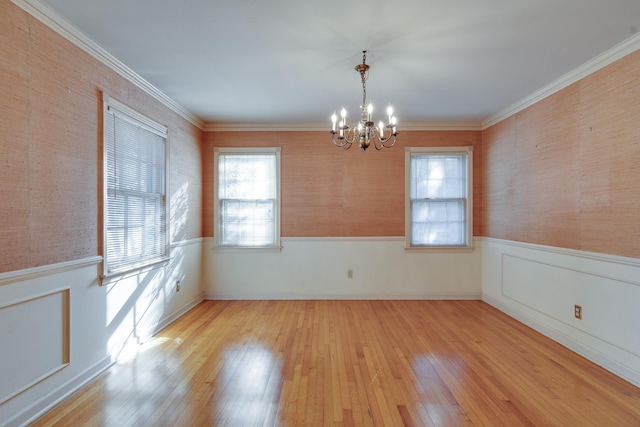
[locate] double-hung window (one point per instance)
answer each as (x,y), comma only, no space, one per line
(247,211)
(439,211)
(135,182)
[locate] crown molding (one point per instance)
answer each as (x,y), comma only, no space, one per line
(450,126)
(60,25)
(617,52)
(263,127)
(64,28)
(319,127)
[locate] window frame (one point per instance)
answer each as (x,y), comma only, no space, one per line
(248,151)
(117,108)
(466,150)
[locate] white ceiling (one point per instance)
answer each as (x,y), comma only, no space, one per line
(277,62)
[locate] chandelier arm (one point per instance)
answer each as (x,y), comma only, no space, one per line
(345,141)
(379,142)
(383,141)
(341,142)
(352,132)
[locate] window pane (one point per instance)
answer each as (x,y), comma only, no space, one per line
(438,176)
(438,222)
(116,243)
(247,176)
(247,223)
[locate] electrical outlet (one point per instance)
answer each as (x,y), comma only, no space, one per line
(577,311)
(349,274)
(177,285)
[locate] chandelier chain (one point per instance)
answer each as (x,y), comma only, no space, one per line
(363,77)
(364,89)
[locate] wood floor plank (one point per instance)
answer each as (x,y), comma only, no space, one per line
(350,363)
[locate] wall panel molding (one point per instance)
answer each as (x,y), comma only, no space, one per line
(39,407)
(102,322)
(571,343)
(46,270)
(574,282)
(594,256)
(44,319)
(539,286)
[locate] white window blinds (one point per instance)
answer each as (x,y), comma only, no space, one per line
(248,198)
(135,189)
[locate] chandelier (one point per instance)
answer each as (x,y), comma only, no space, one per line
(366,131)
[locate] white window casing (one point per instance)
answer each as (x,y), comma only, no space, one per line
(135,183)
(439,198)
(247,198)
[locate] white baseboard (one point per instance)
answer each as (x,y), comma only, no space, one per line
(583,350)
(42,405)
(166,321)
(221,296)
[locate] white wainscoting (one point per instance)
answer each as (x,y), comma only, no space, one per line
(66,328)
(539,285)
(316,268)
(45,320)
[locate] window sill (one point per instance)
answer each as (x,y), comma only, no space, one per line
(247,249)
(441,249)
(133,270)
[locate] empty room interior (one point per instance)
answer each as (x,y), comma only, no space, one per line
(319,213)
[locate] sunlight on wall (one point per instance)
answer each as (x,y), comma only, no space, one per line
(136,304)
(179,212)
(134,307)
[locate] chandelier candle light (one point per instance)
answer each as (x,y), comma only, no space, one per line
(366,131)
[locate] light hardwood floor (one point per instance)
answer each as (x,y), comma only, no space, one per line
(378,363)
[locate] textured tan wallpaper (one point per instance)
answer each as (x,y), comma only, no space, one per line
(328,192)
(51,145)
(566,171)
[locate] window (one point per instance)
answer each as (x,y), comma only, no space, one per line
(439,197)
(247,211)
(135,203)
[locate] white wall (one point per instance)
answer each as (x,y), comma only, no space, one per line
(317,268)
(59,327)
(539,285)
